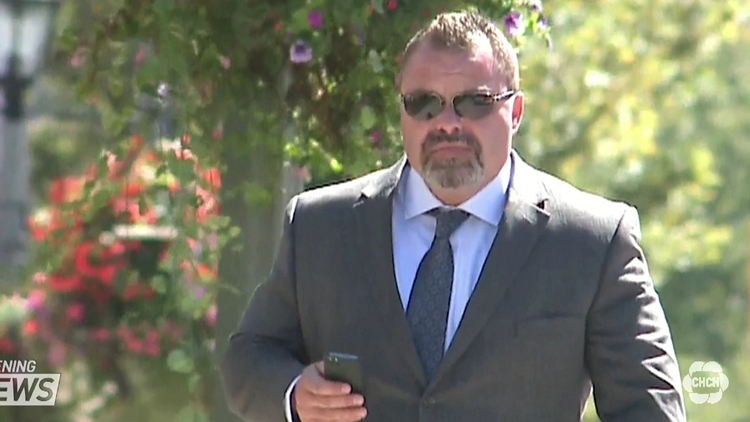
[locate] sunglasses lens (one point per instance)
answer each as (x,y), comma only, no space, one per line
(423,106)
(474,106)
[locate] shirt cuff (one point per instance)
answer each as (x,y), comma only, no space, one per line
(290,414)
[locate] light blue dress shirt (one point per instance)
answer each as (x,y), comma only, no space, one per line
(413,232)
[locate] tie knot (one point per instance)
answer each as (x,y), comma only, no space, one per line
(448,221)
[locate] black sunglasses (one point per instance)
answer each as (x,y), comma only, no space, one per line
(474,105)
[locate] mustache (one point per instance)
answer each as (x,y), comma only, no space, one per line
(435,138)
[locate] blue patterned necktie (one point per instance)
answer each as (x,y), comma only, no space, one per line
(427,311)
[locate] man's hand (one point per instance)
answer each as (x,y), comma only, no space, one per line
(316,399)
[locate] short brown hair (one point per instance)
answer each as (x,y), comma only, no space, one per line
(456,32)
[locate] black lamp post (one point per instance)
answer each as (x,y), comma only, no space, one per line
(24,33)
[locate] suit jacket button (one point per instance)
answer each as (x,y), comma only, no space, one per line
(429,402)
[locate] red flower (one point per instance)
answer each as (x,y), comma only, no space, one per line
(131,292)
(205,272)
(30,327)
(38,231)
(66,189)
(107,273)
(65,284)
(82,256)
(7,346)
(213,177)
(134,291)
(136,141)
(101,294)
(132,190)
(131,210)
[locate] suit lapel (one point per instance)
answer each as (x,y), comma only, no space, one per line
(375,244)
(523,221)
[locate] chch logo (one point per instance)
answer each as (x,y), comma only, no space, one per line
(705,382)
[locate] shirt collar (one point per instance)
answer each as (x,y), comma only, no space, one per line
(487,205)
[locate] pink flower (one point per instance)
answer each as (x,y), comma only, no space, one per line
(174,331)
(226,62)
(151,346)
(78,57)
(315,18)
(135,345)
(303,173)
(211,315)
(198,291)
(152,349)
(75,311)
(213,241)
(152,336)
(35,301)
(57,353)
(100,334)
(140,56)
(124,333)
(40,278)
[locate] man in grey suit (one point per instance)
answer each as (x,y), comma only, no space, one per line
(472,286)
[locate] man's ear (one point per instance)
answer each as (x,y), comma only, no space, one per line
(517,111)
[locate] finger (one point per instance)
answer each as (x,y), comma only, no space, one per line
(323,387)
(352,414)
(336,402)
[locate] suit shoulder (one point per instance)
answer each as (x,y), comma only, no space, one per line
(336,195)
(579,209)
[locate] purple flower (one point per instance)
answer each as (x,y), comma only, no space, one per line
(514,24)
(198,291)
(536,6)
(36,301)
(300,52)
(375,137)
(315,18)
(542,23)
(359,36)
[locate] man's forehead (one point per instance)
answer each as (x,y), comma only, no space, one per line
(471,68)
(480,49)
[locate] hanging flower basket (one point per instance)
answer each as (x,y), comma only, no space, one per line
(112,291)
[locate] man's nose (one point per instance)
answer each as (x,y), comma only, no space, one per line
(448,120)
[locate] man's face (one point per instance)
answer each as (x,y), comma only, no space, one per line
(457,151)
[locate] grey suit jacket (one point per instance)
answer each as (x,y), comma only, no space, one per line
(565,301)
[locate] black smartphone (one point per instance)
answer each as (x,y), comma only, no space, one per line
(342,367)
